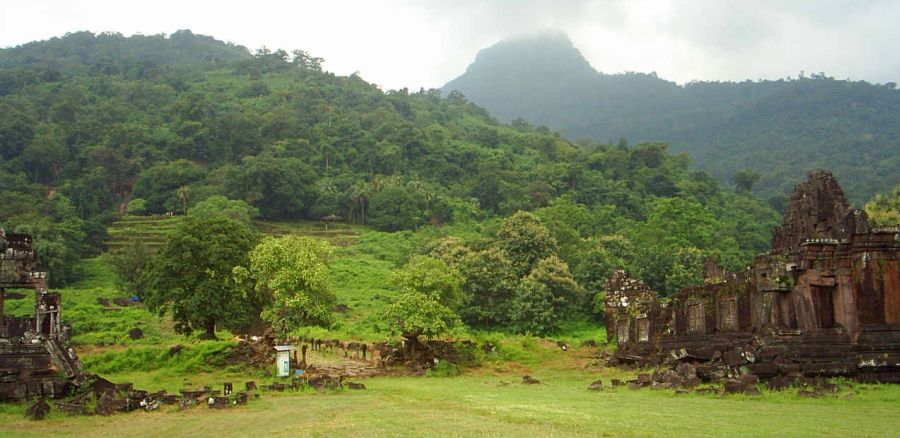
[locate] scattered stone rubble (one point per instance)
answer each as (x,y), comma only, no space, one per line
(99,396)
(825,302)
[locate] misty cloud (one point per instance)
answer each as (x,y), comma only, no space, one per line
(407,43)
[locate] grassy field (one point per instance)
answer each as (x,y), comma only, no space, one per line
(486,402)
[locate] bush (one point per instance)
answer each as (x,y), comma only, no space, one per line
(137,207)
(395,208)
(444,369)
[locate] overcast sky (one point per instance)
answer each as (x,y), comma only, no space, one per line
(405,43)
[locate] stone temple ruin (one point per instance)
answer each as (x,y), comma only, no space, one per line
(824,302)
(34,358)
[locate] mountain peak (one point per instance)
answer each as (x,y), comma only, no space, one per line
(548,51)
(525,68)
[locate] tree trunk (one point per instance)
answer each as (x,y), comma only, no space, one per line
(210,328)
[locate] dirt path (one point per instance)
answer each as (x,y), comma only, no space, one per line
(335,364)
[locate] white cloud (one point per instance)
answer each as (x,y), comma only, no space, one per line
(406,43)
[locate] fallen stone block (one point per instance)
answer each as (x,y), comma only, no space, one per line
(748,379)
(38,411)
(733,358)
(686,370)
(135,333)
(597,385)
(110,404)
(528,380)
(733,386)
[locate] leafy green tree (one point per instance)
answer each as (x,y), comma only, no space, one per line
(396,208)
(597,264)
(744,179)
(278,187)
(450,249)
(569,223)
(129,263)
(545,297)
(430,293)
(686,270)
(291,274)
(415,314)
(531,310)
(678,222)
(191,275)
(60,238)
(884,210)
(16,130)
(526,240)
(165,185)
(432,277)
(137,207)
(92,193)
(220,205)
(490,284)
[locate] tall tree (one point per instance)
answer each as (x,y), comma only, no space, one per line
(191,275)
(525,238)
(291,274)
(429,297)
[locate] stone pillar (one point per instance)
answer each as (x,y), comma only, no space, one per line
(845,306)
(803,307)
(2,317)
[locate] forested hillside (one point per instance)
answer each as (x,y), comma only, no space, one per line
(778,129)
(92,126)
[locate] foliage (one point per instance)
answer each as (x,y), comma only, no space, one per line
(220,205)
(167,186)
(490,284)
(129,264)
(278,187)
(415,314)
(884,210)
(291,273)
(191,275)
(553,273)
(744,179)
(526,240)
(531,309)
(429,297)
(395,208)
(547,296)
(432,277)
(137,207)
(61,236)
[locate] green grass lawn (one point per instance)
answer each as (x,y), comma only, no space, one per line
(486,403)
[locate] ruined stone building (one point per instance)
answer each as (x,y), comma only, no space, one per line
(33,353)
(825,301)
